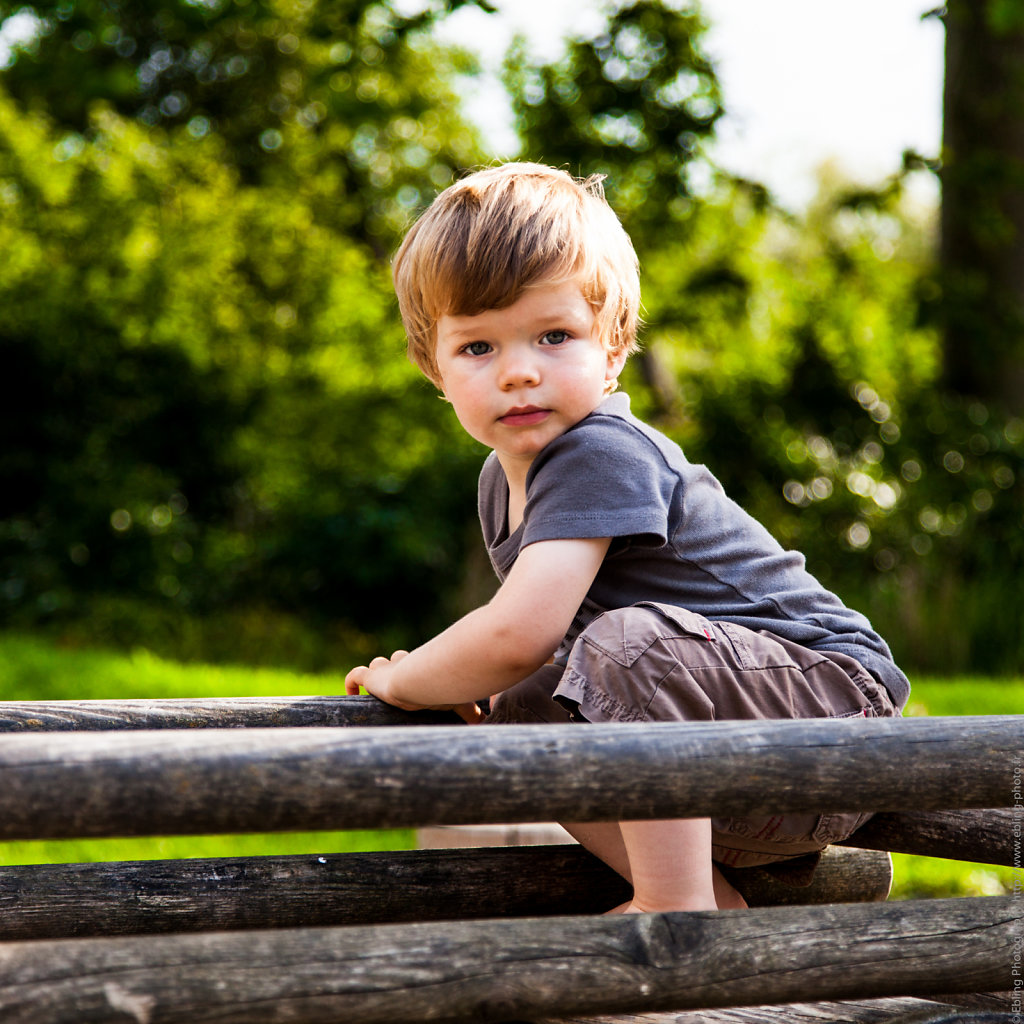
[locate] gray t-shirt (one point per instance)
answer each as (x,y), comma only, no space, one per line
(677,539)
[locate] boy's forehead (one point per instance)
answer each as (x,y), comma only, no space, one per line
(543,304)
(540,296)
(546,291)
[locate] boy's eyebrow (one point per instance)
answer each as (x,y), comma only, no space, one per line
(549,318)
(463,332)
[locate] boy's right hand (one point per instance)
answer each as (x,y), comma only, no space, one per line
(375,679)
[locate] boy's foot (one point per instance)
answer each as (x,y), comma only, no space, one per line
(727,897)
(631,908)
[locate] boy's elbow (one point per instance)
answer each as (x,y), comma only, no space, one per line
(522,653)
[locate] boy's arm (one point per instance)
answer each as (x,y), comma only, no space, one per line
(495,646)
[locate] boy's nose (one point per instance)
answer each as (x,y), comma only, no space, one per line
(518,371)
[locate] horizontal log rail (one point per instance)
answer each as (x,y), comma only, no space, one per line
(501,970)
(208,713)
(986,836)
(893,1010)
(64,900)
(150,897)
(187,782)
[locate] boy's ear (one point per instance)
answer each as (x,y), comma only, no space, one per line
(616,361)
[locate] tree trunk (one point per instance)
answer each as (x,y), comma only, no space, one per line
(982,249)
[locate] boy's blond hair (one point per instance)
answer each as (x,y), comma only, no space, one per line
(493,234)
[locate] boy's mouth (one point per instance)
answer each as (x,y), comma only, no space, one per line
(523,416)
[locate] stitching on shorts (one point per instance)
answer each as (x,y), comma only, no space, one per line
(769,829)
(620,657)
(657,686)
(599,699)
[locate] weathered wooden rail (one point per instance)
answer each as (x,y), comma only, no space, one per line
(508,970)
(483,935)
(242,780)
(216,712)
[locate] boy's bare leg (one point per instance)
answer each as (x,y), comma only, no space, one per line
(604,840)
(671,865)
(668,863)
(727,896)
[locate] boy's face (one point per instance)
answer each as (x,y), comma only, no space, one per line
(520,376)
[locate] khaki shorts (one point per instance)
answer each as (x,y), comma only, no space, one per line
(659,663)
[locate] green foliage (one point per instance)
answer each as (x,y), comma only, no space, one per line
(966,695)
(278,844)
(34,669)
(207,399)
(348,93)
(802,364)
(633,102)
(213,445)
(922,878)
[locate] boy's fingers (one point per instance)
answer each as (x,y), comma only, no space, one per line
(352,681)
(469,712)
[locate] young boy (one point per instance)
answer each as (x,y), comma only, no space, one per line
(632,588)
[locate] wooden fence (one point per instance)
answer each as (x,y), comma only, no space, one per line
(484,935)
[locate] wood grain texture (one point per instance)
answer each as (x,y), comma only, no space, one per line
(208,713)
(506,970)
(842,876)
(155,897)
(985,836)
(67,900)
(895,1010)
(241,780)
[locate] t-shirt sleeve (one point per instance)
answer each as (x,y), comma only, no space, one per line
(600,479)
(490,507)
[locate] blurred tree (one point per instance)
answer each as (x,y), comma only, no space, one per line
(345,94)
(208,407)
(207,411)
(809,387)
(982,250)
(633,102)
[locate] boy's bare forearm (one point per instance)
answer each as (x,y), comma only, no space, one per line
(497,645)
(467,662)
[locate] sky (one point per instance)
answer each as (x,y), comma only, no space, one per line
(805,82)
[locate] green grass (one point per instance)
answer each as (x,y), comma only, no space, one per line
(919,877)
(34,669)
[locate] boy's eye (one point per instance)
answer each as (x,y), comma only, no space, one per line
(555,337)
(477,348)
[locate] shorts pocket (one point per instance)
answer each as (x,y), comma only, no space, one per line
(689,623)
